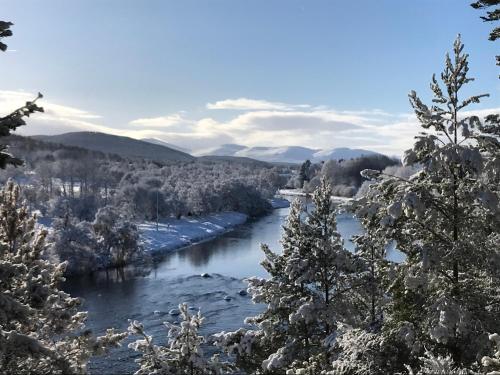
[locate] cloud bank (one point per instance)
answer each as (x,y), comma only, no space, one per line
(257,123)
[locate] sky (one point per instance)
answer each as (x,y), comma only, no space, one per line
(198,74)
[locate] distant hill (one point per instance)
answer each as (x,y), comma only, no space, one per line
(290,154)
(123,146)
(229,149)
(233,159)
(157,141)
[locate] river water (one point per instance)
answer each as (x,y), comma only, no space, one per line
(112,298)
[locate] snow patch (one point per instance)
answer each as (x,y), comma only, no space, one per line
(173,234)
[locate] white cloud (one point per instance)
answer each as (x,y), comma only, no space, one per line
(245,104)
(162,121)
(314,127)
(295,120)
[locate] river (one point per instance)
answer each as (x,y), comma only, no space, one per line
(114,297)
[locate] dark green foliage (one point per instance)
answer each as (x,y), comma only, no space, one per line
(304,172)
(12,121)
(491,16)
(4,32)
(345,177)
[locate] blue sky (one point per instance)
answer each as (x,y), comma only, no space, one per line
(261,72)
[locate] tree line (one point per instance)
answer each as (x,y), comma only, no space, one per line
(343,175)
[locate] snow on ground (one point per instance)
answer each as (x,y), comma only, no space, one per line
(300,193)
(173,234)
(292,192)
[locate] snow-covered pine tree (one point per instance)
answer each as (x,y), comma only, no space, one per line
(446,220)
(492,363)
(331,269)
(372,280)
(182,355)
(39,324)
(263,348)
(41,330)
(309,291)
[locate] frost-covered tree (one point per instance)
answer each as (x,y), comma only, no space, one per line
(446,220)
(117,238)
(372,279)
(182,355)
(492,363)
(308,293)
(257,350)
(74,242)
(437,365)
(40,325)
(41,329)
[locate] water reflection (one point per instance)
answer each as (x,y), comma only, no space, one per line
(147,293)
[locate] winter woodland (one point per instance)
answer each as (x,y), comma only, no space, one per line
(326,310)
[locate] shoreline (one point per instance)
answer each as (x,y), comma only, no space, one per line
(176,234)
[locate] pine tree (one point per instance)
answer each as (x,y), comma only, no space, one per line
(39,323)
(263,348)
(15,119)
(41,329)
(308,294)
(446,220)
(372,280)
(182,356)
(304,173)
(491,16)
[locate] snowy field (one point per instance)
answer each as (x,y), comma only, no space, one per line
(173,234)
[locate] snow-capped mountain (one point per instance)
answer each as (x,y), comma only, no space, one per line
(290,154)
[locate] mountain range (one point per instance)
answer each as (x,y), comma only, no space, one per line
(156,149)
(288,154)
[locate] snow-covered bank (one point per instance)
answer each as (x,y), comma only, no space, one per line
(292,192)
(300,193)
(173,234)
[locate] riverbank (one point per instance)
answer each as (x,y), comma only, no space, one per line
(172,234)
(300,193)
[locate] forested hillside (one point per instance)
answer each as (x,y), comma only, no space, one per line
(86,180)
(123,146)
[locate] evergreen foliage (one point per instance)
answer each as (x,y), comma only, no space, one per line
(15,119)
(446,220)
(310,292)
(41,329)
(491,16)
(182,355)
